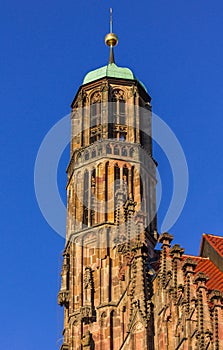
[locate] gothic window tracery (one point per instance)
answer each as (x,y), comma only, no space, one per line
(119,113)
(95,116)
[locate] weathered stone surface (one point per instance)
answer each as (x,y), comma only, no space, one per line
(118,292)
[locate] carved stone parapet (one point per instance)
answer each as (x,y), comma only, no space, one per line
(120,127)
(63,298)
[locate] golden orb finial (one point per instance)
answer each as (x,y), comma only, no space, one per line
(111,40)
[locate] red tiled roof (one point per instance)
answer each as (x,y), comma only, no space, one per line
(215,241)
(208,268)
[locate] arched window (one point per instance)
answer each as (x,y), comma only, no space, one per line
(86,156)
(95,108)
(108,149)
(95,117)
(116,150)
(131,152)
(85,198)
(93,153)
(119,106)
(124,151)
(119,112)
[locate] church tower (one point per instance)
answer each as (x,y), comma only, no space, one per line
(106,288)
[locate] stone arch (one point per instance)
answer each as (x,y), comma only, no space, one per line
(95,96)
(116,150)
(124,151)
(93,153)
(119,93)
(131,152)
(89,239)
(108,149)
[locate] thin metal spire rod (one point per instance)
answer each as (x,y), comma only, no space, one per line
(111,20)
(111,40)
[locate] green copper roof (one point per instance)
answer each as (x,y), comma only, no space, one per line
(111,70)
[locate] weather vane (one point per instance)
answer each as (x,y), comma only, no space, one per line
(111,39)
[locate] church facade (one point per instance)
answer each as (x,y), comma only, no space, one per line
(117,290)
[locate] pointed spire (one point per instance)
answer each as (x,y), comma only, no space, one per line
(111,40)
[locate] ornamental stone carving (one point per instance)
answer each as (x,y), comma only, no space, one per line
(96,97)
(63,298)
(118,94)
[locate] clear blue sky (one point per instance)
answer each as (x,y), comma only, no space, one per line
(175,48)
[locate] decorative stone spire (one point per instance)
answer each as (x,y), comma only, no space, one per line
(111,40)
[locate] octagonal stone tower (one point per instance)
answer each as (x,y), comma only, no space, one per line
(106,286)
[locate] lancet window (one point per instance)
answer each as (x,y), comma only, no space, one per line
(119,113)
(119,106)
(95,117)
(85,199)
